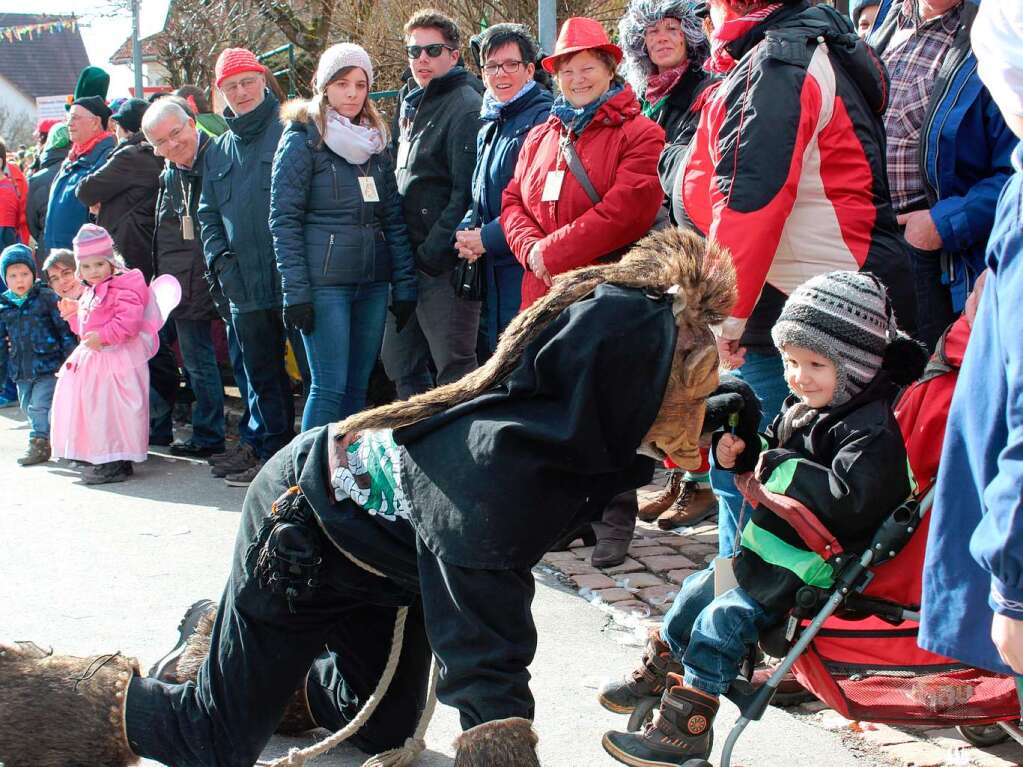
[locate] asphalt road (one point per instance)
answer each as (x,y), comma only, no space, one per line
(98,569)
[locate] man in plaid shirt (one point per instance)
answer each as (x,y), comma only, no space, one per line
(948,150)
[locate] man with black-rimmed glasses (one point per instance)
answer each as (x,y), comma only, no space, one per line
(434,144)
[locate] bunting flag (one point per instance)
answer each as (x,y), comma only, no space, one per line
(30,31)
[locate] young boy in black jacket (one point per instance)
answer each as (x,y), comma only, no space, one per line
(34,342)
(830,469)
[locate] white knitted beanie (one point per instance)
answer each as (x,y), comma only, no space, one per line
(336,58)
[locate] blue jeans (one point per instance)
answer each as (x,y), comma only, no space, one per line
(10,391)
(246,428)
(200,360)
(765,374)
(342,349)
(712,635)
(260,336)
(36,397)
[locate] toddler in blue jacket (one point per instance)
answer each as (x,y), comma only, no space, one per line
(34,341)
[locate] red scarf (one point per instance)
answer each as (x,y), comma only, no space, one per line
(78,150)
(721,61)
(659,85)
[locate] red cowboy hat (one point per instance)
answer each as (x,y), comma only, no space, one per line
(581,34)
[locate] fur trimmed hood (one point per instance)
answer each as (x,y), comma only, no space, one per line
(698,272)
(639,15)
(300,111)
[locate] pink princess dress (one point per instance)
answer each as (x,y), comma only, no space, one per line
(101,404)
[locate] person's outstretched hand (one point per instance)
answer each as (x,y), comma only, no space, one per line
(1007,634)
(402,311)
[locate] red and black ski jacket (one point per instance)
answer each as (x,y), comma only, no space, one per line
(787,169)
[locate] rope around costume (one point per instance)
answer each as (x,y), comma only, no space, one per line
(396,757)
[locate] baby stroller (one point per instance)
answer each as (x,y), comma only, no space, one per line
(854,645)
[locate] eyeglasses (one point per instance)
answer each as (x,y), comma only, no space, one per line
(245,83)
(433,51)
(509,67)
(172,138)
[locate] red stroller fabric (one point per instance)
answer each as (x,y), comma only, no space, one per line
(871,670)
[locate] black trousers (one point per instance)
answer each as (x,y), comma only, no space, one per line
(478,623)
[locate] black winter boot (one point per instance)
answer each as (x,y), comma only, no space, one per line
(647,680)
(105,473)
(682,729)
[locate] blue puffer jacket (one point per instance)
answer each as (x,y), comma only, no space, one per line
(966,152)
(324,233)
(233,209)
(497,150)
(64,213)
(34,339)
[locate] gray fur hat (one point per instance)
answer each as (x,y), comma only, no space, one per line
(641,14)
(846,317)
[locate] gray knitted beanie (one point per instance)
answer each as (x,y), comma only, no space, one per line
(846,317)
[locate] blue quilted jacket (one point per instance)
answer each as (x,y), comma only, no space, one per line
(34,339)
(324,233)
(65,214)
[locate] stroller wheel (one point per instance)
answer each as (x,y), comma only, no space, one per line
(984,735)
(642,713)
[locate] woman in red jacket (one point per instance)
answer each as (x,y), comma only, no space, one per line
(13,196)
(551,222)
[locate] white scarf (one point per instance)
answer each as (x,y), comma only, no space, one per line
(355,143)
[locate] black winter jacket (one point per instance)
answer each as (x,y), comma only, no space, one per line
(172,254)
(324,233)
(126,187)
(847,469)
(34,339)
(435,165)
(677,116)
(39,194)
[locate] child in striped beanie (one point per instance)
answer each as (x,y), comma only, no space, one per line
(828,471)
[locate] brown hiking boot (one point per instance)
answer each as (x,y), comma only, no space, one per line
(651,508)
(61,710)
(38,452)
(501,743)
(694,504)
(646,681)
(682,729)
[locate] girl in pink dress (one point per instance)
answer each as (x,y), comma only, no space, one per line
(101,403)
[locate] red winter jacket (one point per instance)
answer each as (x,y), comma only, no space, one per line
(619,150)
(13,199)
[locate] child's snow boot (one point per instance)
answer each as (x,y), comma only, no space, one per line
(682,729)
(647,680)
(105,473)
(38,452)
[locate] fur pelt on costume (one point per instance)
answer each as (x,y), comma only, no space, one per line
(501,743)
(641,14)
(59,710)
(698,271)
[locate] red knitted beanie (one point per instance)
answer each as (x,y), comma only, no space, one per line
(234,61)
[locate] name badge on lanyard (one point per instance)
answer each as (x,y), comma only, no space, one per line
(552,186)
(368,187)
(187,228)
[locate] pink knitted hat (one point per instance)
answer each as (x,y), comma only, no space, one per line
(93,242)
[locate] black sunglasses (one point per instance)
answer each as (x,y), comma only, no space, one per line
(433,51)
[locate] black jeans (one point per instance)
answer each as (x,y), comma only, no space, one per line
(933,298)
(260,337)
(479,624)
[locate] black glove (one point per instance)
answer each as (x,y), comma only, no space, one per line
(734,395)
(220,302)
(402,311)
(299,317)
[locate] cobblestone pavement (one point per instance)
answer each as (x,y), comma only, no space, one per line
(636,593)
